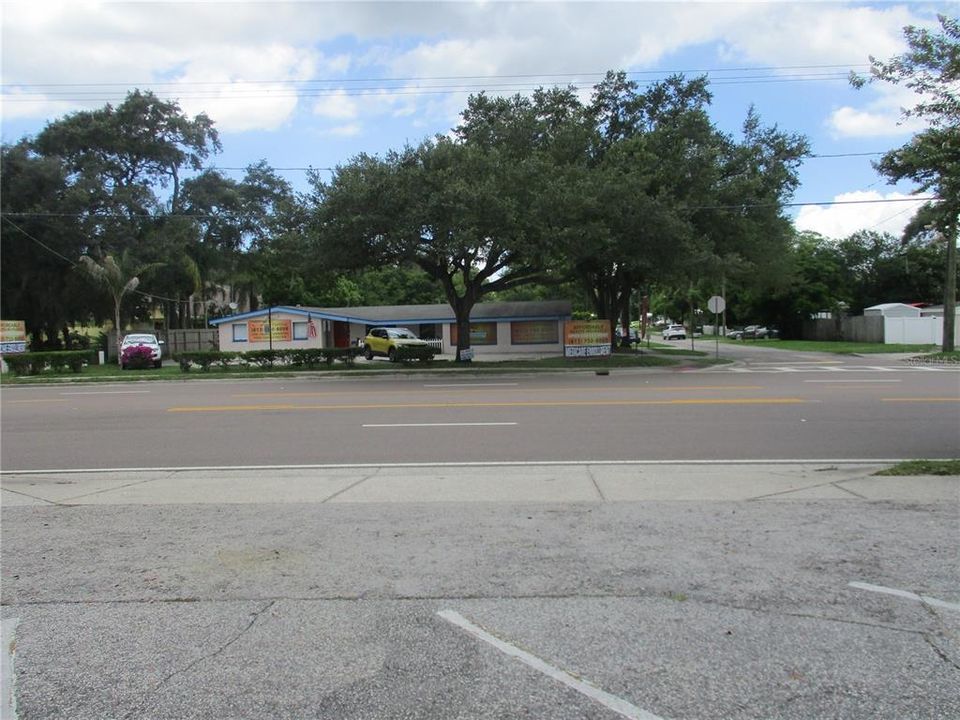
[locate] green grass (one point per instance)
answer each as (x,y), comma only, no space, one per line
(112,373)
(923,467)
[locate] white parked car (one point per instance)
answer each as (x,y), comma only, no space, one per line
(674,332)
(141,340)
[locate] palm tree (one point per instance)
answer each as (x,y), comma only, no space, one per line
(118,278)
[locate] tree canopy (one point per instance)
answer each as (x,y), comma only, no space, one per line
(931,68)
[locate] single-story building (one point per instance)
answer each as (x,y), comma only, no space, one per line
(910,324)
(893,309)
(498,327)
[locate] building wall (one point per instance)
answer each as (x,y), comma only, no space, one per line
(229,344)
(482,342)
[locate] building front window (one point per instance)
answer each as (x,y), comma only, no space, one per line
(239,332)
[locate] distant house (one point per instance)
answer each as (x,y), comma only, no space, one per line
(909,324)
(504,327)
(936,311)
(893,310)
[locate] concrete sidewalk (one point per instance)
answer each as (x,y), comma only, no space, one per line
(612,482)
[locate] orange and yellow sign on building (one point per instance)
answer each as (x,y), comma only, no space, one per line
(264,330)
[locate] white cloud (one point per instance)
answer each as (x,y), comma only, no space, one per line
(146,43)
(869,213)
(817,33)
(350,130)
(337,105)
(881,117)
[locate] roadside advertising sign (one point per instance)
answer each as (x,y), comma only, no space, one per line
(264,330)
(13,336)
(586,338)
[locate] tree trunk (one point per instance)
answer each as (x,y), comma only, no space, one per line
(116,325)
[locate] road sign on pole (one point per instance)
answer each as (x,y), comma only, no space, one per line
(716,305)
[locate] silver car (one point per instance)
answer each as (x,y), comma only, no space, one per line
(142,340)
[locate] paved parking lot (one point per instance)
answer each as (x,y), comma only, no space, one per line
(627,590)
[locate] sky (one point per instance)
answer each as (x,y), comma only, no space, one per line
(313,84)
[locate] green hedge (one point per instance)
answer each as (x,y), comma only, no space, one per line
(309,358)
(34,363)
(409,353)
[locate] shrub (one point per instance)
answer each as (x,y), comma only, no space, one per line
(409,353)
(57,361)
(263,358)
(205,359)
(138,357)
(346,355)
(308,357)
(20,364)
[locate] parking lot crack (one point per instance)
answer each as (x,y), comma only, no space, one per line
(790,491)
(940,653)
(203,658)
(32,497)
(593,478)
(71,500)
(839,486)
(350,487)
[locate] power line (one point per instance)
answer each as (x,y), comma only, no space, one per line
(439,78)
(49,249)
(363,87)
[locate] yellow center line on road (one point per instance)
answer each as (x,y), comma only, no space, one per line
(450,405)
(446,391)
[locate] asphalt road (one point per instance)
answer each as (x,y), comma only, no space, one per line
(762,409)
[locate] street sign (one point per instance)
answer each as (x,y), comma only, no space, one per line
(716,304)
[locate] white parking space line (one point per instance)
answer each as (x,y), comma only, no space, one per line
(452,385)
(907,595)
(618,705)
(463,424)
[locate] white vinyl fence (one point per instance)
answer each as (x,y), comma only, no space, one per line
(916,331)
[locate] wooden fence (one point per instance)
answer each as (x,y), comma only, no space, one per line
(862,328)
(175,341)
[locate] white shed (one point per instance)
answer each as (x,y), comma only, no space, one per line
(893,310)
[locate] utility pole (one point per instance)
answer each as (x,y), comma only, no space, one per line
(950,293)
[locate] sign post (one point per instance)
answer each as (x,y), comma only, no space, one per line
(716,305)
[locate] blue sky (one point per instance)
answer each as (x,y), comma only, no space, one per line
(303,84)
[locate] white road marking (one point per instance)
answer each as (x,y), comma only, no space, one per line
(853,381)
(618,705)
(804,362)
(464,424)
(908,595)
(449,385)
(109,392)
